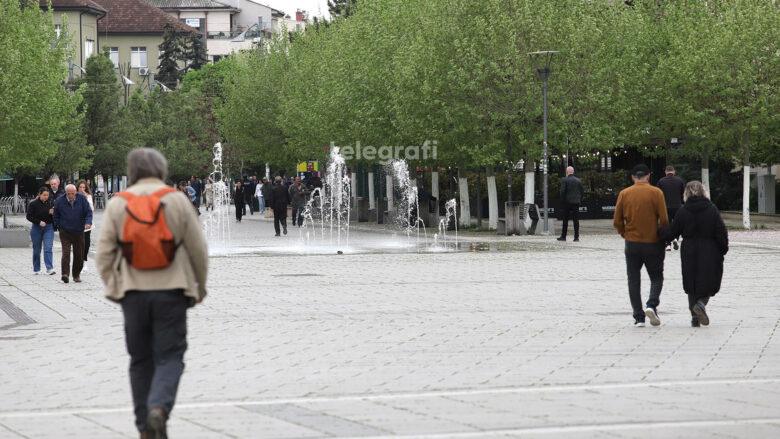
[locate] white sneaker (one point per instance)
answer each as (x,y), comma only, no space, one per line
(35,273)
(51,271)
(639,324)
(653,316)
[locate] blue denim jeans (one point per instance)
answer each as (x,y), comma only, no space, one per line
(261,203)
(42,237)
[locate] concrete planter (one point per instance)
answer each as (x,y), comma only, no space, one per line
(14,238)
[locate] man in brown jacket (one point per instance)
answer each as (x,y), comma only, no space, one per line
(154,301)
(640,210)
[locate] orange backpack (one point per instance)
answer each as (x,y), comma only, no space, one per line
(147,241)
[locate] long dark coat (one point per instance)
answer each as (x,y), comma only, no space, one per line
(705,242)
(280,198)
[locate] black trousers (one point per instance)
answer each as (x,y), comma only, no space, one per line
(86,243)
(280,218)
(671,212)
(297,216)
(156,338)
(651,255)
(240,210)
(574,211)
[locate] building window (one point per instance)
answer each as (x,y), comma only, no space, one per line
(89,45)
(138,57)
(113,54)
(58,30)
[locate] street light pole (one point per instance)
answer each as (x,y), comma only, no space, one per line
(544,73)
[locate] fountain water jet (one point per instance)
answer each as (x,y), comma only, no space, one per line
(216,225)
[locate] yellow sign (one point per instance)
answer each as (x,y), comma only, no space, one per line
(309,166)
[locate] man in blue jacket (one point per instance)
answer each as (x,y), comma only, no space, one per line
(72,215)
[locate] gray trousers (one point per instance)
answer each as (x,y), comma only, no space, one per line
(652,257)
(156,337)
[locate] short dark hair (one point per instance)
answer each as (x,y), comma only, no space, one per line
(669,168)
(42,189)
(640,170)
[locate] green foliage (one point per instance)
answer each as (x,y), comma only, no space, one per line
(194,52)
(341,8)
(36,112)
(170,53)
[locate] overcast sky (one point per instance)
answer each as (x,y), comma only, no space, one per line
(316,8)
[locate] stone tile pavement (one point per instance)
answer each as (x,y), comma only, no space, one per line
(533,340)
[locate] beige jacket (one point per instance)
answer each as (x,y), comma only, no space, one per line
(188,269)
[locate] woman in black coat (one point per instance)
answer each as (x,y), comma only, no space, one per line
(238,200)
(705,242)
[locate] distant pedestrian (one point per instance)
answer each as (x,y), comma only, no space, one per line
(73,216)
(189,191)
(249,192)
(298,194)
(209,194)
(238,200)
(267,192)
(83,189)
(639,212)
(41,231)
(672,186)
(259,198)
(255,201)
(197,185)
(55,191)
(155,289)
(705,243)
(571,196)
(280,198)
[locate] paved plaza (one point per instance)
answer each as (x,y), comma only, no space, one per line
(521,337)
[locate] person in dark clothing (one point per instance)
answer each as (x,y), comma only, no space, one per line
(267,191)
(246,184)
(298,193)
(571,195)
(238,200)
(280,198)
(672,186)
(705,243)
(73,216)
(42,231)
(198,186)
(639,212)
(55,191)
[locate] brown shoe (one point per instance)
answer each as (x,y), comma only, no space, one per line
(156,422)
(65,279)
(76,279)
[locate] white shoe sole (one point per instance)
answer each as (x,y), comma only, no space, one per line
(654,320)
(639,325)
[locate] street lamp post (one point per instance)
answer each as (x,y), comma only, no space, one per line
(544,72)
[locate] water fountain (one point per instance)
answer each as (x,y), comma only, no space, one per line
(331,206)
(450,213)
(216,225)
(408,213)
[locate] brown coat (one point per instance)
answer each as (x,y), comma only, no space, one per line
(188,269)
(639,210)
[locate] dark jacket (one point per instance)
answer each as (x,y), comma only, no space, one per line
(54,195)
(298,195)
(72,218)
(238,196)
(672,186)
(705,242)
(571,190)
(266,191)
(249,190)
(280,197)
(197,186)
(38,211)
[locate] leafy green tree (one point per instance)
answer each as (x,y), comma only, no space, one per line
(168,71)
(341,8)
(102,125)
(35,109)
(194,52)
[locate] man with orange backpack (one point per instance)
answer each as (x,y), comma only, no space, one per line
(153,259)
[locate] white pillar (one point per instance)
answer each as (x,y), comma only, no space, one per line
(746,198)
(465,207)
(529,192)
(435,192)
(705,178)
(371,201)
(492,202)
(389,187)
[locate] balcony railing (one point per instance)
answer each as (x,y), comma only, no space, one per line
(224,35)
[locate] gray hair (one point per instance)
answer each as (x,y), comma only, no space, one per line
(71,186)
(277,179)
(54,177)
(695,189)
(145,163)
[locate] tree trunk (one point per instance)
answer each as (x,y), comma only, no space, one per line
(492,198)
(746,180)
(371,202)
(705,167)
(463,189)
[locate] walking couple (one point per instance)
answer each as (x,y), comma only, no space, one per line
(641,219)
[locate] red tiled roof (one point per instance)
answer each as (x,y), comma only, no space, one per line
(136,17)
(73,5)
